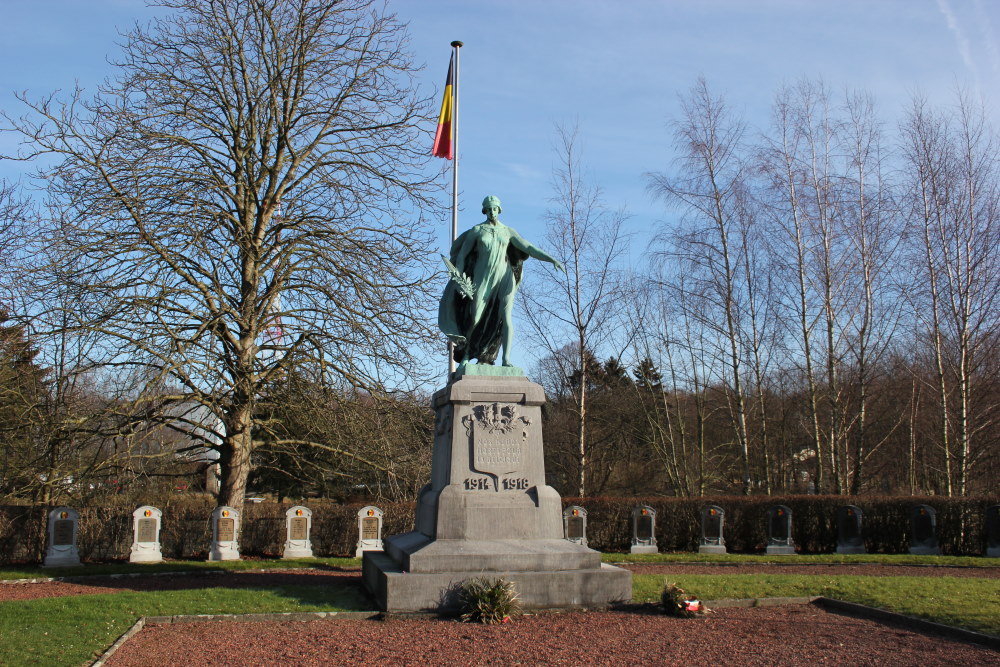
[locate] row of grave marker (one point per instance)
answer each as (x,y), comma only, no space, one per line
(64,522)
(923,530)
(146,522)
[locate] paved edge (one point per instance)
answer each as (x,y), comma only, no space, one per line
(909,622)
(136,627)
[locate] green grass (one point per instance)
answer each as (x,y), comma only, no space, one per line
(967,602)
(36,572)
(73,630)
(829,559)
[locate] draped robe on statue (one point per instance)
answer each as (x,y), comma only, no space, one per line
(486,253)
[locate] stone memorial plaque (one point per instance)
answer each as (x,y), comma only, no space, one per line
(147,530)
(369,528)
(226,529)
(298,528)
(779,526)
(644,527)
(713,524)
(574,527)
(499,437)
(62,533)
(992,530)
(923,526)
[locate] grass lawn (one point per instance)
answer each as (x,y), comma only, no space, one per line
(73,630)
(798,559)
(37,572)
(961,601)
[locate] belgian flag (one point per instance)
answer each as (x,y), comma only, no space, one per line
(444,142)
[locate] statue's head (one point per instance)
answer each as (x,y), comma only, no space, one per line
(490,202)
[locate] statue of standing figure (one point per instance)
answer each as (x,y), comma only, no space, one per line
(485,271)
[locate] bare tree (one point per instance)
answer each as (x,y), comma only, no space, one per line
(710,183)
(254,166)
(954,207)
(589,239)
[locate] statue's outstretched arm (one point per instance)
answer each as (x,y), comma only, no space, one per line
(523,245)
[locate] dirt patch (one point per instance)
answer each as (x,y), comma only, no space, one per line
(790,635)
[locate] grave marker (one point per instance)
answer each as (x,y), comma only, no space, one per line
(575,524)
(298,529)
(779,531)
(849,539)
(644,530)
(923,531)
(713,519)
(225,534)
(146,522)
(369,530)
(62,528)
(992,530)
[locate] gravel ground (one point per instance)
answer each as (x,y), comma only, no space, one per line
(788,636)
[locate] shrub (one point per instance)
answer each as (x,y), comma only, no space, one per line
(491,601)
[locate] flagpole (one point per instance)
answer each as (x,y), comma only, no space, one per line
(456,45)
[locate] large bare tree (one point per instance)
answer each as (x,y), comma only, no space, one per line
(244,198)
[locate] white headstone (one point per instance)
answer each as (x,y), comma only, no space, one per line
(225,534)
(369,530)
(62,551)
(298,528)
(146,522)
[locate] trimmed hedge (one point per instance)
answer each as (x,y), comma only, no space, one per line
(105,532)
(885,525)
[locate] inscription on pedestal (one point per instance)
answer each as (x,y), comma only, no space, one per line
(298,528)
(226,530)
(147,530)
(499,437)
(62,533)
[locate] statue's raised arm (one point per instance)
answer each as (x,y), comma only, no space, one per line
(484,271)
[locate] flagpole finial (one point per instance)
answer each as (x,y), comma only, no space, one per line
(457,44)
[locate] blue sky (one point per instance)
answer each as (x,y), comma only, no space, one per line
(615,67)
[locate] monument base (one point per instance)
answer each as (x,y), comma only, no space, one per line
(61,558)
(296,553)
(145,555)
(644,549)
(925,551)
(850,550)
(712,549)
(399,590)
(780,550)
(223,553)
(487,511)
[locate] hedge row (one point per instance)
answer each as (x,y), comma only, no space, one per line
(885,525)
(105,532)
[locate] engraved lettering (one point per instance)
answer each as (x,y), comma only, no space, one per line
(147,530)
(226,530)
(369,528)
(298,528)
(62,533)
(477,484)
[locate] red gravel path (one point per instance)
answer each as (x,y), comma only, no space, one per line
(786,636)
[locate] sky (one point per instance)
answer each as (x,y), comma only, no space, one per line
(614,68)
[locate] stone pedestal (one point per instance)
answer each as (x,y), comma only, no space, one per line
(62,530)
(488,512)
(298,529)
(146,522)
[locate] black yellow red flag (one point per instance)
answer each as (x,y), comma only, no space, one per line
(444,140)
